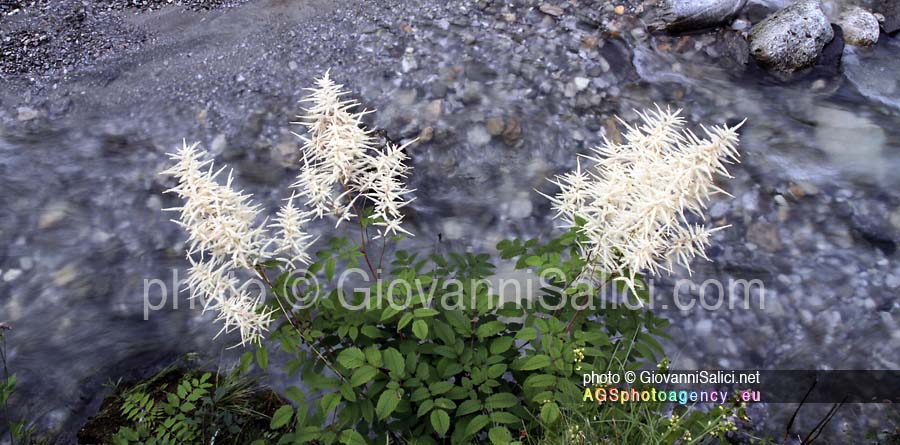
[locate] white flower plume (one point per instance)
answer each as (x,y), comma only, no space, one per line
(636,200)
(293,240)
(341,163)
(334,154)
(221,231)
(385,187)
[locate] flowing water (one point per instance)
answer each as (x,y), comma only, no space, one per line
(500,105)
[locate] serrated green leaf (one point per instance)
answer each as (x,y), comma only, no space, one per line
(351,358)
(281,417)
(440,421)
(500,436)
(363,375)
(420,329)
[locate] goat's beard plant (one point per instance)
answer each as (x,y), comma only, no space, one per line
(397,370)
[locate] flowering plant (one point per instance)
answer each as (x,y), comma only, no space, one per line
(503,371)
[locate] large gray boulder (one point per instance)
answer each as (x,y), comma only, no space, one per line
(792,38)
(685,15)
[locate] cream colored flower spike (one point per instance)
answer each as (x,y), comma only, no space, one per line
(636,197)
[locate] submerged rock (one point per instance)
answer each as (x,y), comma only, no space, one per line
(860,27)
(890,9)
(792,38)
(684,15)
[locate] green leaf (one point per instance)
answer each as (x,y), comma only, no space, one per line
(490,328)
(404,320)
(363,375)
(534,261)
(424,312)
(281,417)
(387,403)
(329,269)
(550,413)
(476,424)
(350,437)
(527,333)
(534,362)
(394,362)
(438,388)
(351,358)
(420,329)
(468,407)
(440,421)
(499,435)
(501,345)
(425,407)
(262,357)
(500,401)
(373,356)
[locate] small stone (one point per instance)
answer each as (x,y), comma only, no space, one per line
(555,11)
(433,110)
(26,114)
(65,275)
(765,235)
(513,132)
(619,10)
(718,210)
(53,214)
(860,27)
(581,83)
(704,327)
(495,126)
(11,274)
(218,144)
(426,134)
(468,38)
(478,135)
(292,65)
(443,24)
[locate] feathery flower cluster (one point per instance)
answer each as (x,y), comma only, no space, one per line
(221,231)
(636,200)
(339,166)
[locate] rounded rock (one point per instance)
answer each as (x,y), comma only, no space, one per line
(792,38)
(860,27)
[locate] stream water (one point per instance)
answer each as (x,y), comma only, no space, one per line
(814,217)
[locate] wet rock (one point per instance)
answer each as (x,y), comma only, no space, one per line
(685,15)
(11,274)
(860,27)
(53,214)
(495,126)
(555,11)
(25,114)
(792,38)
(478,135)
(890,9)
(512,134)
(764,235)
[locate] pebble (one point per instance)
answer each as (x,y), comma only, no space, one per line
(25,114)
(478,136)
(581,83)
(53,214)
(555,11)
(11,274)
(495,126)
(860,27)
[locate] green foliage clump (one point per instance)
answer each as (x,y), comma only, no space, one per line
(196,407)
(456,364)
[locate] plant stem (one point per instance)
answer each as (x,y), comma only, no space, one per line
(290,318)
